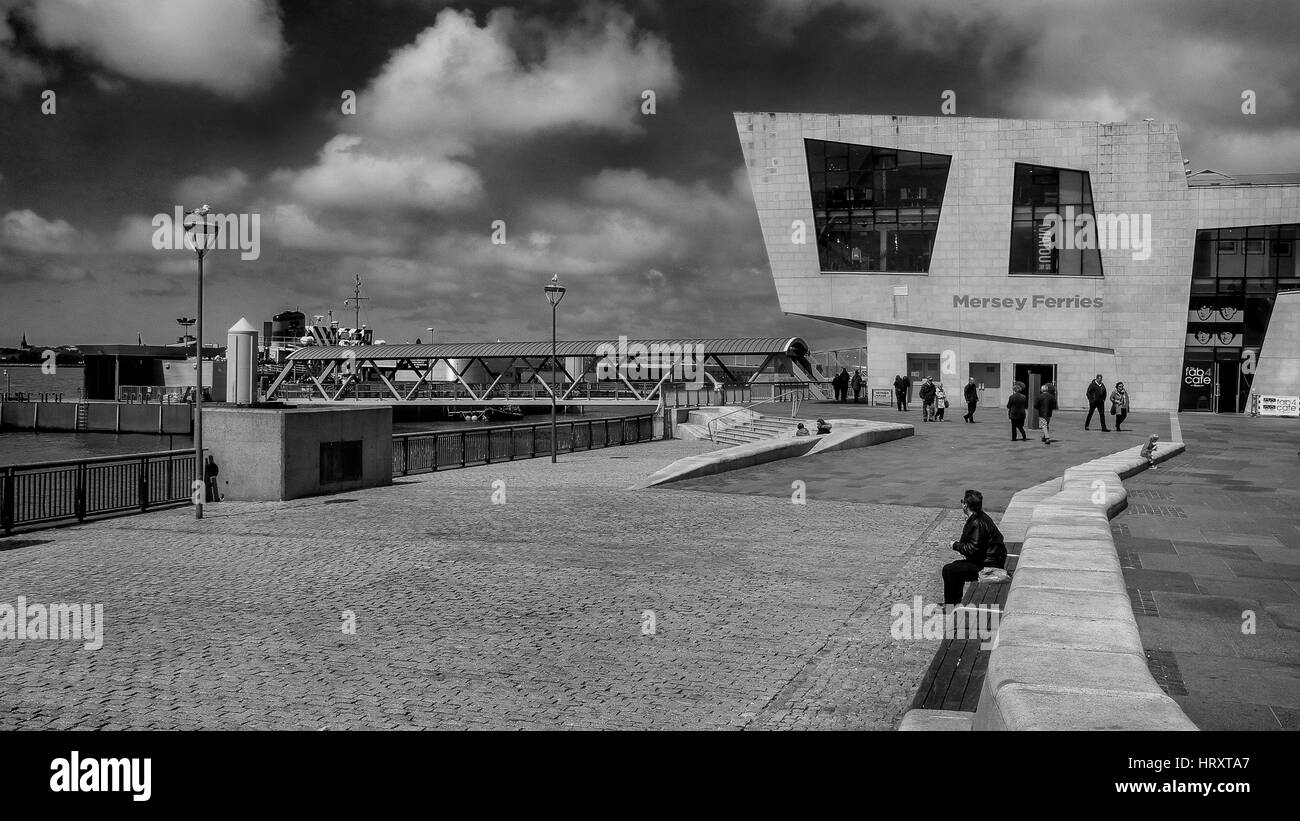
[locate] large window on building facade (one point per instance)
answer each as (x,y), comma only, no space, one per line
(875,209)
(1236,274)
(1039,191)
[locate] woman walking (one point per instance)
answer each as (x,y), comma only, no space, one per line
(940,400)
(1045,405)
(1119,404)
(1017,410)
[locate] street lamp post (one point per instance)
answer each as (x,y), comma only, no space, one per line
(554,293)
(204,234)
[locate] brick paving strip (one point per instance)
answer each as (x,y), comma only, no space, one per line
(474,615)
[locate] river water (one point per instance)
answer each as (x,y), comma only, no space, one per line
(22,447)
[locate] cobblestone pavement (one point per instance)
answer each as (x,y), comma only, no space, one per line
(527,614)
(1210,545)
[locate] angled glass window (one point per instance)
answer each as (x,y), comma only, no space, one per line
(876,210)
(1041,197)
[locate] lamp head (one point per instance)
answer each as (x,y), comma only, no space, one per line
(554,291)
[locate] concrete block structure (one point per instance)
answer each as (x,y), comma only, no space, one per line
(931,234)
(273,454)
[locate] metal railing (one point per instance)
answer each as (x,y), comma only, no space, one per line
(795,396)
(156,394)
(440,450)
(32,396)
(49,493)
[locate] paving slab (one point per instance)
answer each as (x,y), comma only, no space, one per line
(1229,509)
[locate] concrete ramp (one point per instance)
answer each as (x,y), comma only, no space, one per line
(845,434)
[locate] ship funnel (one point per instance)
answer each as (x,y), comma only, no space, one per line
(241,363)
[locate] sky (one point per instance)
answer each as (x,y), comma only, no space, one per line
(494,146)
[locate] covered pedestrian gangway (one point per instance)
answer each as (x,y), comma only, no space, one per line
(644,371)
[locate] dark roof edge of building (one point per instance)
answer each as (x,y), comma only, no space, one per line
(1152,122)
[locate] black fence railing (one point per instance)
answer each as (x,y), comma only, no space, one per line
(440,450)
(48,493)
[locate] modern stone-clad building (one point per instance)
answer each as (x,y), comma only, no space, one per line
(1028,250)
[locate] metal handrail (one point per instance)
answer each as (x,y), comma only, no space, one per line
(442,449)
(51,493)
(794,409)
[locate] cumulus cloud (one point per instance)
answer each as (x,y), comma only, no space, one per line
(231,48)
(223,191)
(28,231)
(349,176)
(459,86)
(292,226)
(641,253)
(458,82)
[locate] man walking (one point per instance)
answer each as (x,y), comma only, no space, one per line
(1045,404)
(901,386)
(972,394)
(857,385)
(927,394)
(1096,402)
(1017,409)
(981,545)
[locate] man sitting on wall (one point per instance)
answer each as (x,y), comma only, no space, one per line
(980,546)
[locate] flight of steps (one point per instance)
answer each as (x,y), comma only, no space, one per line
(759,428)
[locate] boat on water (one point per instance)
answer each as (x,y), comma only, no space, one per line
(494,414)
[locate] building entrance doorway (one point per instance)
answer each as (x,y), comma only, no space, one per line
(1227,378)
(919,366)
(1214,385)
(1034,377)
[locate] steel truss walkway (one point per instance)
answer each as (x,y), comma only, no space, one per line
(597,372)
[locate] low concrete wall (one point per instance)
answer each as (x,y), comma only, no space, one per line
(139,418)
(1067,655)
(58,416)
(270,454)
(101,416)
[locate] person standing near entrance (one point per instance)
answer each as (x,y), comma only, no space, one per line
(1045,404)
(972,395)
(857,385)
(940,400)
(842,386)
(1017,410)
(927,400)
(901,386)
(1096,395)
(1119,405)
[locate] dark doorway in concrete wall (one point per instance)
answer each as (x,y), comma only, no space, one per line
(919,366)
(1034,377)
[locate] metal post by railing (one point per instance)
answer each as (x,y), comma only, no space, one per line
(79,505)
(7,502)
(462,448)
(406,455)
(142,485)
